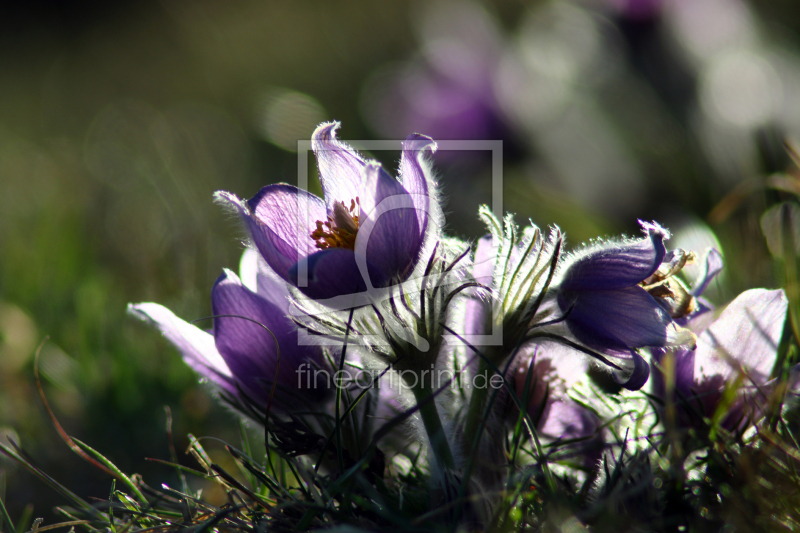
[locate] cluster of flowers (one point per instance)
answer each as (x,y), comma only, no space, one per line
(365,278)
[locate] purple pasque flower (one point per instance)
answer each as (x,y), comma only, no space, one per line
(253,344)
(738,348)
(513,269)
(543,380)
(367,232)
(615,297)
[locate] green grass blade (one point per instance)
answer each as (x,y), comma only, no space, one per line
(120,475)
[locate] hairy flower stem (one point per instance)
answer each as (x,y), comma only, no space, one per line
(433,427)
(478,402)
(476,410)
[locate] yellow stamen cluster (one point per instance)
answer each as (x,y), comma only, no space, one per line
(341,228)
(669,289)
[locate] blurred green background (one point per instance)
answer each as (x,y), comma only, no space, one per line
(118,120)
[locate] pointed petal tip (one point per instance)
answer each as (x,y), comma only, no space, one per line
(340,165)
(654,228)
(372,166)
(231,203)
(227,276)
(138,310)
(712,265)
(419,142)
(225,196)
(639,376)
(151,313)
(714,256)
(195,345)
(326,131)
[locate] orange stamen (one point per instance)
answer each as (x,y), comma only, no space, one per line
(340,229)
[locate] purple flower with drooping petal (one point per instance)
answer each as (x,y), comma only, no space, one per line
(367,232)
(512,268)
(253,344)
(742,344)
(607,308)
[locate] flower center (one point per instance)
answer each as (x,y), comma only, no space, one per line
(341,228)
(670,291)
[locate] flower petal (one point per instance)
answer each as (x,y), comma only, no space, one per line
(638,375)
(388,235)
(333,272)
(484,262)
(252,340)
(280,218)
(569,365)
(614,265)
(549,370)
(340,167)
(744,338)
(248,268)
(566,419)
(683,362)
(478,307)
(618,319)
(414,172)
(712,265)
(257,276)
(195,345)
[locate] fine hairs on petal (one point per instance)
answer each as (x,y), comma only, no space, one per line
(432,229)
(613,300)
(231,204)
(235,208)
(593,245)
(340,166)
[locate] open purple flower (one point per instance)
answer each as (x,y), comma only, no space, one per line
(604,294)
(741,345)
(253,345)
(366,233)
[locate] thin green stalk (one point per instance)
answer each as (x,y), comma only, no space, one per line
(790,263)
(5,518)
(476,409)
(433,426)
